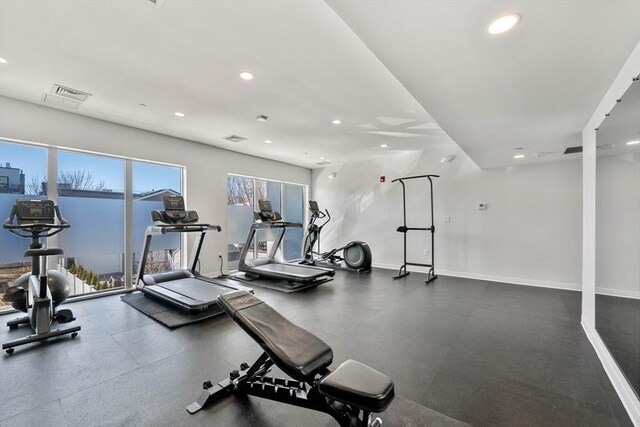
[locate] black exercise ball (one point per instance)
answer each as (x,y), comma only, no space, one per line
(58,286)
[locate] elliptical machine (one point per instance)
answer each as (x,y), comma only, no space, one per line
(38,293)
(356,255)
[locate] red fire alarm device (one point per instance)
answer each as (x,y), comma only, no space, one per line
(382,178)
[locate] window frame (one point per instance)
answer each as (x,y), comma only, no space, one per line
(52,194)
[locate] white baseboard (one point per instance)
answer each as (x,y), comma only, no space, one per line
(623,293)
(620,384)
(492,278)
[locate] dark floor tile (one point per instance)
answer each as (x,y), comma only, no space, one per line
(498,329)
(148,344)
(32,377)
(484,400)
(528,300)
(49,414)
(483,352)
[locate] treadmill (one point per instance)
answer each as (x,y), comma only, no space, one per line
(185,289)
(295,276)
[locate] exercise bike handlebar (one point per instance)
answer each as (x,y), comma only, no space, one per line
(44,230)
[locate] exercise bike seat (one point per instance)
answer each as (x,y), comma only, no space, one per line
(294,350)
(358,385)
(43,252)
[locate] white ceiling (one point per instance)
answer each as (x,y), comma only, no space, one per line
(534,87)
(309,67)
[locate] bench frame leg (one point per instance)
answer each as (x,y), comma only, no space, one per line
(253,381)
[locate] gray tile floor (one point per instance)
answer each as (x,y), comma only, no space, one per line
(486,353)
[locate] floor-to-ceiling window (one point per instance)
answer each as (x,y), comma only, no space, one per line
(151,182)
(23,174)
(100,199)
(91,191)
(243,194)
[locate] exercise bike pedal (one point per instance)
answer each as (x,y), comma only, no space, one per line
(207,385)
(244,366)
(64,316)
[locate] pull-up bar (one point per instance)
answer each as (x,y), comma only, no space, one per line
(404,229)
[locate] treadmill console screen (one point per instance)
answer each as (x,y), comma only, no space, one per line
(35,211)
(173,203)
(313,206)
(265,206)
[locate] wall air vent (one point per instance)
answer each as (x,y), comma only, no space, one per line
(235,138)
(69,93)
(322,163)
(573,150)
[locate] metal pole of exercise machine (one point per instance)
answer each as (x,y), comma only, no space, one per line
(402,272)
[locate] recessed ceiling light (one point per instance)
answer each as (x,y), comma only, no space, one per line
(179,114)
(268,141)
(383,145)
(519,156)
(503,24)
(245,75)
(336,121)
(321,157)
(633,142)
(3,61)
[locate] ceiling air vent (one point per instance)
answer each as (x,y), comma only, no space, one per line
(322,163)
(573,150)
(69,93)
(235,138)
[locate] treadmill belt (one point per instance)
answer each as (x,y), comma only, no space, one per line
(289,270)
(195,288)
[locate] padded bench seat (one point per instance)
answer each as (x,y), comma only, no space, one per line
(359,385)
(296,351)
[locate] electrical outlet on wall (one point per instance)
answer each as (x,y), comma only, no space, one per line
(446,218)
(426,252)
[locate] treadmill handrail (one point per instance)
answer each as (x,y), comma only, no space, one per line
(181,228)
(276,224)
(156,230)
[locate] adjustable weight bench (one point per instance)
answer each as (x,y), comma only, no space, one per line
(350,394)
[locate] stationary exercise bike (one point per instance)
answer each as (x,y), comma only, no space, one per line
(38,293)
(355,256)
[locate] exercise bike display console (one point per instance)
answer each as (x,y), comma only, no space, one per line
(38,293)
(351,394)
(354,256)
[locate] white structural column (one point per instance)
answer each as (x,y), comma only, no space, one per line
(630,70)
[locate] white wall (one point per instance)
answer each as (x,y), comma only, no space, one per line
(207,166)
(618,225)
(531,232)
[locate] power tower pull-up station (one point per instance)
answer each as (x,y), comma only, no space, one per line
(402,272)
